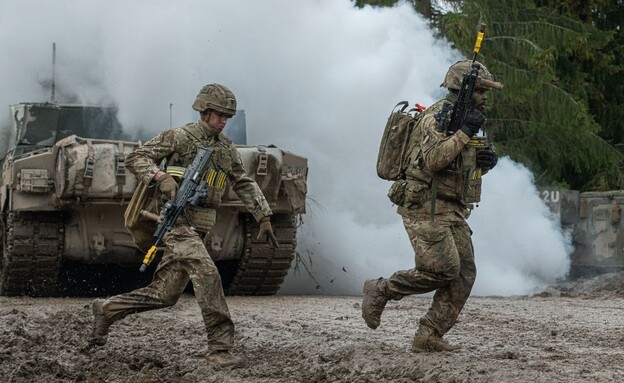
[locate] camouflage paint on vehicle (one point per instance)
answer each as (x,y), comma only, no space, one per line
(594,221)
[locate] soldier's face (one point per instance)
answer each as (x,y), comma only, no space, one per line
(216,120)
(479,97)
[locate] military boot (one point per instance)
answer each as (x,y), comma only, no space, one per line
(99,334)
(223,359)
(375,299)
(427,339)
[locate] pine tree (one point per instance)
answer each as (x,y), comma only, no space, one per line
(562,63)
(542,116)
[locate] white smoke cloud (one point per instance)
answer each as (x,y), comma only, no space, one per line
(518,244)
(315,77)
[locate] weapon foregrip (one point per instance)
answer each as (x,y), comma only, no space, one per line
(152,216)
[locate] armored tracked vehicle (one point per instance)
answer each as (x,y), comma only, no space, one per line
(64,189)
(594,221)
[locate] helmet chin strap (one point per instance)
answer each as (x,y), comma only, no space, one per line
(205,115)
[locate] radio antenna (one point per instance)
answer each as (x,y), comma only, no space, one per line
(170,116)
(53,71)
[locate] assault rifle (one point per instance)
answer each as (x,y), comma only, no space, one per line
(191,192)
(464,98)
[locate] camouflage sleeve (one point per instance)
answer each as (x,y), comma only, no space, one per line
(438,149)
(247,189)
(143,161)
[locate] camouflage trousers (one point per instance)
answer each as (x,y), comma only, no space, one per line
(444,262)
(185,258)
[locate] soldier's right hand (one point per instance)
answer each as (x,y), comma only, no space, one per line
(473,122)
(168,186)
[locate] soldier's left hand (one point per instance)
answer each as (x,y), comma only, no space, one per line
(486,158)
(266,231)
(473,121)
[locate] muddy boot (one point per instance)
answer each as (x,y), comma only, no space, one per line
(223,359)
(426,339)
(375,299)
(99,334)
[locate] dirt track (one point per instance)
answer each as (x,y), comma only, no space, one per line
(320,339)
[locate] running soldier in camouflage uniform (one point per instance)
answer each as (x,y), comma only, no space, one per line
(443,181)
(185,255)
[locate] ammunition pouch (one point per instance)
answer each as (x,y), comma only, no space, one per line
(201,218)
(214,195)
(473,194)
(397,192)
(471,173)
(215,179)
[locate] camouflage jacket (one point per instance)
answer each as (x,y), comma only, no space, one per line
(179,147)
(449,162)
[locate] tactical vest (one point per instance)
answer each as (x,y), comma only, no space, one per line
(216,173)
(460,181)
(202,217)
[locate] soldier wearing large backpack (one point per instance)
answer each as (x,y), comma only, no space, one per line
(185,257)
(435,193)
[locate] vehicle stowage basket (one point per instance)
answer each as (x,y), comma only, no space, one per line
(94,169)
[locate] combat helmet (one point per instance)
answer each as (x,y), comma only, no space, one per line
(456,72)
(216,97)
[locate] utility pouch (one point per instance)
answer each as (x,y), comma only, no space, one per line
(416,194)
(397,192)
(141,228)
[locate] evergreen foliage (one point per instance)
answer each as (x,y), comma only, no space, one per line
(562,61)
(542,116)
(549,62)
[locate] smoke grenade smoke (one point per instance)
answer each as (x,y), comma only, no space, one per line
(317,78)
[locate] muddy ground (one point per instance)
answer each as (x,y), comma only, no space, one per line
(570,334)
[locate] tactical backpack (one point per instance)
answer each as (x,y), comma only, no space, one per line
(392,160)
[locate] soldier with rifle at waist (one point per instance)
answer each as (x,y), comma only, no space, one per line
(212,161)
(442,182)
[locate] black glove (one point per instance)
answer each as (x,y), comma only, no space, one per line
(486,158)
(473,121)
